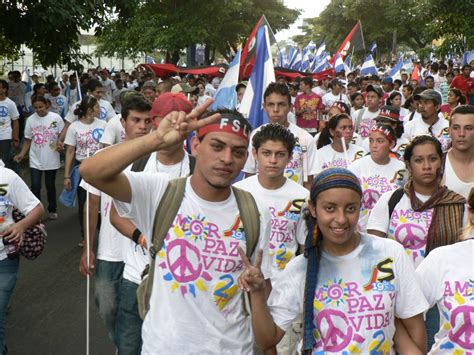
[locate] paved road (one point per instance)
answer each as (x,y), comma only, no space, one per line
(48,307)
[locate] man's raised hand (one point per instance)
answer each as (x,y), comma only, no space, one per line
(176,126)
(252,279)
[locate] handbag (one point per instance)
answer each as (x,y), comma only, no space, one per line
(34,238)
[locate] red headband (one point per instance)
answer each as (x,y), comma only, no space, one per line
(233,125)
(384,131)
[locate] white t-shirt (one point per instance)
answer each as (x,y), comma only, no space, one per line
(329,98)
(366,121)
(15,193)
(446,278)
(85,136)
(136,257)
(375,180)
(195,293)
(44,133)
(319,91)
(406,226)
(106,111)
(113,132)
(439,130)
(59,105)
(8,113)
(295,168)
(454,183)
(109,87)
(112,244)
(352,312)
(284,205)
(327,157)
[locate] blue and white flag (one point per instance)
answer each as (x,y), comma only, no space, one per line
(338,64)
(291,56)
(149,60)
(296,65)
(347,64)
(305,63)
(25,77)
(395,71)
(467,57)
(226,96)
(262,75)
(281,58)
(373,48)
(322,65)
(321,49)
(311,46)
(368,67)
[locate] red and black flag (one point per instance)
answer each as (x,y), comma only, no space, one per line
(352,43)
(248,52)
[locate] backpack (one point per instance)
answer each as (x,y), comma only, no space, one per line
(165,214)
(394,199)
(139,165)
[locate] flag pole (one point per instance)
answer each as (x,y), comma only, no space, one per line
(88,287)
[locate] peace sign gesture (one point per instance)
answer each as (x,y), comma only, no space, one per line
(252,279)
(175,126)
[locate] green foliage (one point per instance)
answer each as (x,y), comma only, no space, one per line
(172,25)
(416,24)
(51,27)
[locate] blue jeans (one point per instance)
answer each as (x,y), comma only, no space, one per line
(8,277)
(128,328)
(50,182)
(108,276)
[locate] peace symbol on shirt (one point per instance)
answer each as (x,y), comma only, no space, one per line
(184,260)
(334,339)
(462,321)
(3,111)
(411,236)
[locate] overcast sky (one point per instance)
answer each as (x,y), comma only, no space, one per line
(311,8)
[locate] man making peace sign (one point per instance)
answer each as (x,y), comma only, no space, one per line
(195,304)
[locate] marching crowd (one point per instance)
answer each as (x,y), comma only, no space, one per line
(343,225)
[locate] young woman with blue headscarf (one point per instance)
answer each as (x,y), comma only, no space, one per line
(349,286)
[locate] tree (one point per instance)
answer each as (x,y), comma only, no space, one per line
(415,24)
(173,25)
(51,28)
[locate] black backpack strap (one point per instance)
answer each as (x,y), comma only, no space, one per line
(139,165)
(394,200)
(192,164)
(412,115)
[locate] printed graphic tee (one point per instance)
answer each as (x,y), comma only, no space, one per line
(375,180)
(327,157)
(195,293)
(105,114)
(15,193)
(357,297)
(406,226)
(85,136)
(446,277)
(439,130)
(44,133)
(8,113)
(284,205)
(304,152)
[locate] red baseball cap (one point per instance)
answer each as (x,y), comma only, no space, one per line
(169,102)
